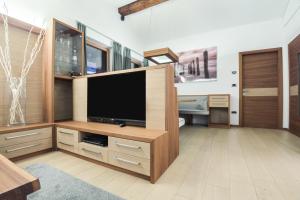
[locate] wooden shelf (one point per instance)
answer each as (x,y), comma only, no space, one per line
(16,183)
(127,132)
(61,77)
(10,129)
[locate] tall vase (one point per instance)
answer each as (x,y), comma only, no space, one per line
(16,90)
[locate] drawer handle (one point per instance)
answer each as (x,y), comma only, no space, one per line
(89,151)
(71,145)
(128,161)
(128,146)
(20,136)
(66,133)
(21,148)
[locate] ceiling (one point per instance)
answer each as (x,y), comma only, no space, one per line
(179,18)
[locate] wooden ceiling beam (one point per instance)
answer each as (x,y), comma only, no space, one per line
(137,6)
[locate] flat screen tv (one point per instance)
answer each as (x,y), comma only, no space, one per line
(119,98)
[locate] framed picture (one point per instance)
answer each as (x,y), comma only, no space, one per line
(196,65)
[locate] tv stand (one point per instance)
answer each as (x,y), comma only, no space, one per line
(135,150)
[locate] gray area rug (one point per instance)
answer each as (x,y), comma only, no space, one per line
(57,185)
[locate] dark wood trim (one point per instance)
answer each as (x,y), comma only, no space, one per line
(241,89)
(137,6)
(280,82)
(280,88)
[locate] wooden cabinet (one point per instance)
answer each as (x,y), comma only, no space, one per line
(19,143)
(133,149)
(219,110)
(129,162)
(67,139)
(93,151)
(63,56)
(129,154)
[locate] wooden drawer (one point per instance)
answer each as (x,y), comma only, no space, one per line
(219,101)
(26,148)
(93,151)
(219,104)
(25,136)
(220,98)
(132,163)
(67,139)
(130,147)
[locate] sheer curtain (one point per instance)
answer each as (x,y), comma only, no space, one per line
(126,58)
(117,56)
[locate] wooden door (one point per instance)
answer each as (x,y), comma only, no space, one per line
(294,62)
(261,88)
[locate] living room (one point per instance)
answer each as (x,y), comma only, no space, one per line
(149,99)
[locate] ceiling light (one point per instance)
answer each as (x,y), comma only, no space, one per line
(161,56)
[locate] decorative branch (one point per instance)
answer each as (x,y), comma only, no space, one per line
(17,84)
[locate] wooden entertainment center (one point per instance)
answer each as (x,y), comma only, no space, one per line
(145,152)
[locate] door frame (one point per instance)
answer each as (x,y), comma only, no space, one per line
(280,83)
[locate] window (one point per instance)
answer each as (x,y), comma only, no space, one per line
(97,58)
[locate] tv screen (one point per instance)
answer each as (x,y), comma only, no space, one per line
(120,97)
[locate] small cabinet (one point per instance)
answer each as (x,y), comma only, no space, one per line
(219,110)
(67,139)
(68,48)
(20,143)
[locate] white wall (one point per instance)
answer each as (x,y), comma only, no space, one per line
(94,13)
(290,28)
(229,42)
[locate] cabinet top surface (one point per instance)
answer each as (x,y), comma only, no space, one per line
(127,132)
(13,177)
(10,129)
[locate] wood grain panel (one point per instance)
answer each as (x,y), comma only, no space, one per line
(172,115)
(261,112)
(34,89)
(63,98)
(156,99)
(294,90)
(11,129)
(257,92)
(80,99)
(48,73)
(15,182)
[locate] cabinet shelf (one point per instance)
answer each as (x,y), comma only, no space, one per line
(63,77)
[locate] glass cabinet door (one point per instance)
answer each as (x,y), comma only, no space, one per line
(68,51)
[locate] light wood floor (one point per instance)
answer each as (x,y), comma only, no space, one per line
(214,164)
